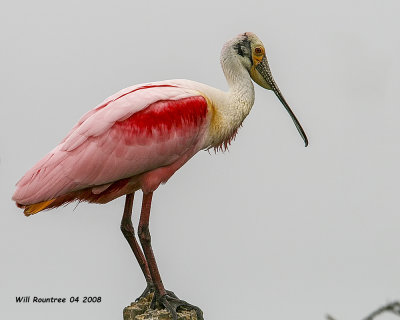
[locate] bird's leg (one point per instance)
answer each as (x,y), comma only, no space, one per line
(129,233)
(161,296)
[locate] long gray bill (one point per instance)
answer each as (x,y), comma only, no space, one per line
(263,69)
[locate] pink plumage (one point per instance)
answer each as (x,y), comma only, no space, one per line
(136,139)
(139,137)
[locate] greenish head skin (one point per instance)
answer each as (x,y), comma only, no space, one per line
(253,57)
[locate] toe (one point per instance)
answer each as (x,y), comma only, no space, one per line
(149,289)
(170,307)
(171,294)
(172,303)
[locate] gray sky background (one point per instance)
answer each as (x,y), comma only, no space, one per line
(269,230)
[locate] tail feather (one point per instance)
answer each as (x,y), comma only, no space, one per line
(115,190)
(35,208)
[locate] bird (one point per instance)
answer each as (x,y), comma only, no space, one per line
(139,137)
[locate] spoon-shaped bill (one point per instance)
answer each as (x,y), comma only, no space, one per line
(263,69)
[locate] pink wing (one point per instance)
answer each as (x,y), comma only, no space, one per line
(139,130)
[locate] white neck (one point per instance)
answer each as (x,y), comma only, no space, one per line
(231,107)
(241,88)
(239,99)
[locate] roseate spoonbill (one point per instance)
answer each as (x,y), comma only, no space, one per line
(137,138)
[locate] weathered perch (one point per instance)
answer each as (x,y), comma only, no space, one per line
(393,307)
(140,310)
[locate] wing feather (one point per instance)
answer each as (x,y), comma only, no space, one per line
(139,129)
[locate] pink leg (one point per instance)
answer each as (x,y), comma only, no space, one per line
(129,233)
(161,296)
(145,240)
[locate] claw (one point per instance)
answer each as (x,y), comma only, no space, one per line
(171,294)
(155,301)
(171,302)
(149,289)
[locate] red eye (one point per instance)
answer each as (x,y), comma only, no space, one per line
(258,50)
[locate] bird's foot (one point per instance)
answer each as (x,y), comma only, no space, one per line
(172,303)
(149,289)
